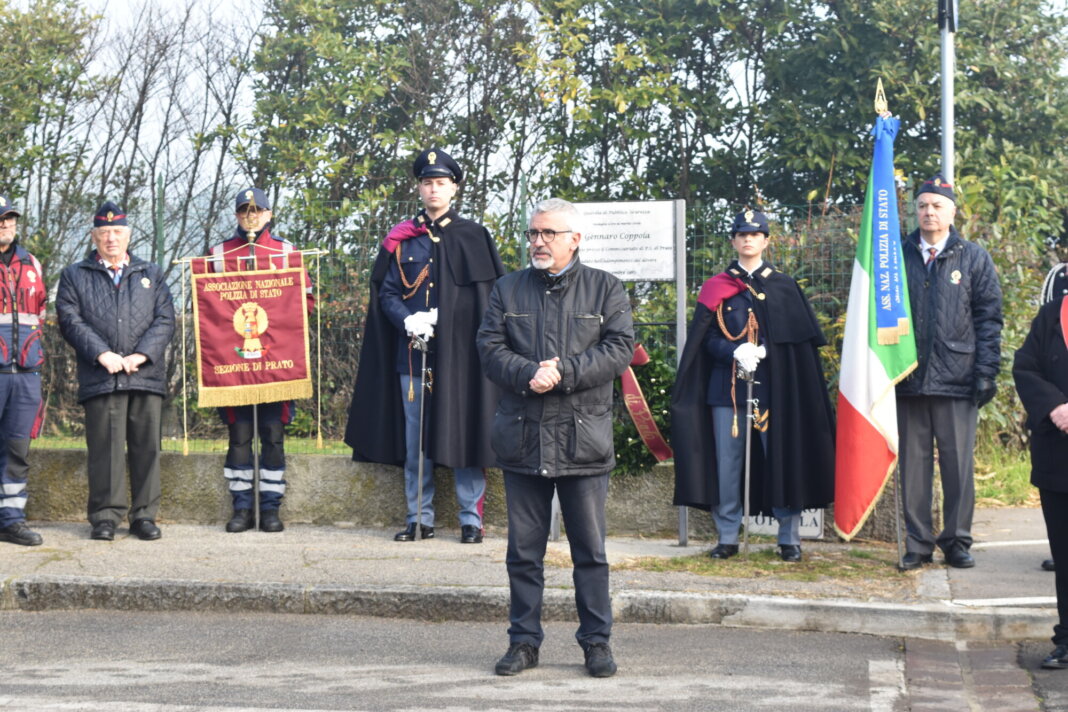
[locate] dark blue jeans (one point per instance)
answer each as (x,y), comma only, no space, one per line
(582,502)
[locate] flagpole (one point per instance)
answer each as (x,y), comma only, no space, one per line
(947,23)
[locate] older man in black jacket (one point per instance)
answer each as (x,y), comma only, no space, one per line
(116,311)
(554,338)
(956,312)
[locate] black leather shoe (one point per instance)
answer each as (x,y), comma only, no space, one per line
(270,521)
(240,522)
(145,529)
(1048,565)
(1058,659)
(470,534)
(103,531)
(599,662)
(959,558)
(790,552)
(724,551)
(913,560)
(19,533)
(409,533)
(519,657)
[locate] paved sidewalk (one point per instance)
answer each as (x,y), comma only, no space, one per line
(309,569)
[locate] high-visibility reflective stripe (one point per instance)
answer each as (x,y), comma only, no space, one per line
(13,502)
(268,486)
(235,474)
(10,488)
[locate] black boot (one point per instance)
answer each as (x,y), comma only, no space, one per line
(240,522)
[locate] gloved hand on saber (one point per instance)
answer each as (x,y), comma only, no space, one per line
(749,356)
(421,323)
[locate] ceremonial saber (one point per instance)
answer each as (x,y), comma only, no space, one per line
(422,346)
(749,405)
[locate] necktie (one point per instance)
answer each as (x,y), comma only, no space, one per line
(116,274)
(931,252)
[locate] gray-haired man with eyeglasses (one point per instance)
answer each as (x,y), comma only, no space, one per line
(555,337)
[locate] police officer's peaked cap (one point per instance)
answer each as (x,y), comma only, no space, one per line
(8,208)
(251,195)
(750,221)
(939,185)
(109,214)
(435,163)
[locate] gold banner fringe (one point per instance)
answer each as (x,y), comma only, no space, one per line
(256,393)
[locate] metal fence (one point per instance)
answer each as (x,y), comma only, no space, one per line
(818,251)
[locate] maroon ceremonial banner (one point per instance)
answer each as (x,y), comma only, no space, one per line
(639,409)
(251,331)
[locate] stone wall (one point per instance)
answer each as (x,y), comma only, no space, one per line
(333,490)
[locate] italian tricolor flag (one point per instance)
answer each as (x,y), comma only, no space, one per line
(879,348)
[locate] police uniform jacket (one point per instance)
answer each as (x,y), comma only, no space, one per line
(136,317)
(459,409)
(583,316)
(23,299)
(797,468)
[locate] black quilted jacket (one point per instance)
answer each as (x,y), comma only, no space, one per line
(136,317)
(956,312)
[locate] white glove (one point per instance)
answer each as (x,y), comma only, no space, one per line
(749,355)
(421,324)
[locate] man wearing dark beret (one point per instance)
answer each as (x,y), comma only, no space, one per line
(956,313)
(253,246)
(22,309)
(116,310)
(431,282)
(753,319)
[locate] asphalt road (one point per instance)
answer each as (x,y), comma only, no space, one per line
(179,662)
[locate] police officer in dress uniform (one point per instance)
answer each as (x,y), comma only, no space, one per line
(262,251)
(755,317)
(23,298)
(432,280)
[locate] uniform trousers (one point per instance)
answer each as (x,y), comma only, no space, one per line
(1055,512)
(238,468)
(121,426)
(582,502)
(923,422)
(730,476)
(20,404)
(470,481)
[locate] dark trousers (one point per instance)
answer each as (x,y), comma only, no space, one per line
(582,502)
(922,422)
(1055,511)
(123,426)
(20,404)
(238,468)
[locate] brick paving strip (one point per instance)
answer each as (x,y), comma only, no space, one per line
(966,677)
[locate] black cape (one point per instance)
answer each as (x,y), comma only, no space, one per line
(798,469)
(460,408)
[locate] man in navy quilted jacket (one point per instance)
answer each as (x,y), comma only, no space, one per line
(956,312)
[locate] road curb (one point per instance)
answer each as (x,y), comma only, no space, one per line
(938,620)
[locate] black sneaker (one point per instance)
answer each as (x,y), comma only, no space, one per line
(19,533)
(599,662)
(1058,659)
(519,657)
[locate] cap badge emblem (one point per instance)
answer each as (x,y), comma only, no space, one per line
(431,158)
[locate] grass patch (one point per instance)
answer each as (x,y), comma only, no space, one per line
(1003,478)
(816,565)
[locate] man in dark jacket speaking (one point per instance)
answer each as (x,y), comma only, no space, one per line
(956,312)
(554,338)
(116,311)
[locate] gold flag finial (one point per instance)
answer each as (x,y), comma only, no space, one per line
(880,98)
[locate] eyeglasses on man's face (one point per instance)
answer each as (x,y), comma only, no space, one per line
(547,236)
